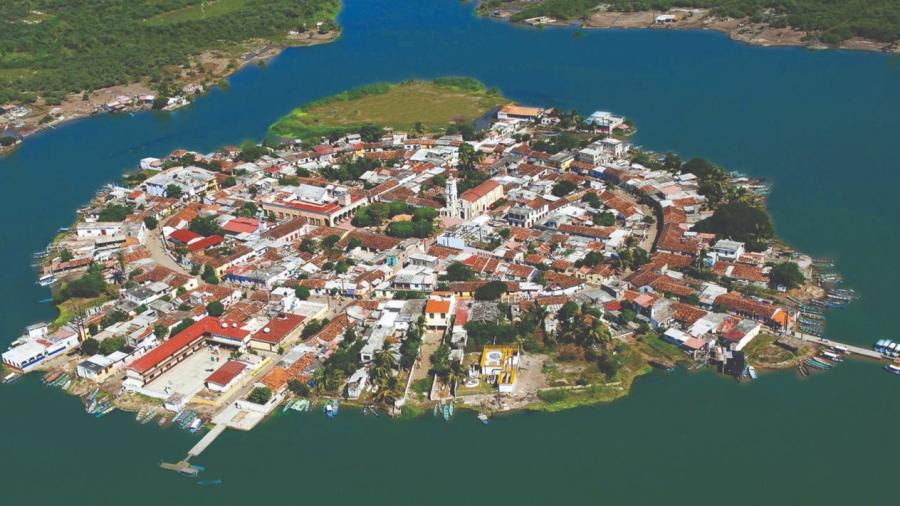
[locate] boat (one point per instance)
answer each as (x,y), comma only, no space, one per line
(893,369)
(803,370)
(483,418)
(288,405)
(834,357)
(209,482)
(162,420)
(331,408)
(816,364)
(196,424)
(47,280)
(752,372)
(9,378)
(301,405)
(444,410)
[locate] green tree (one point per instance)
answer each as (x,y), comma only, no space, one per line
(301,292)
(150,222)
(563,188)
(209,275)
(786,274)
(260,395)
(215,308)
(492,290)
(90,346)
(458,271)
(173,191)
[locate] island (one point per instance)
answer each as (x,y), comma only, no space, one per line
(65,60)
(858,25)
(488,255)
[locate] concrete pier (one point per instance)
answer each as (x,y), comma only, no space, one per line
(856,350)
(206,441)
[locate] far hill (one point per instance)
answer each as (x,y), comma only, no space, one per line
(429,105)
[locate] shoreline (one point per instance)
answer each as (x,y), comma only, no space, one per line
(78,108)
(738,30)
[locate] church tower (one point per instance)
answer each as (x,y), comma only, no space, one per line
(452,197)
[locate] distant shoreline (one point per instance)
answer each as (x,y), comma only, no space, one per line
(74,107)
(740,30)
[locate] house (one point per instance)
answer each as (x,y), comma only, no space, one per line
(277,331)
(500,364)
(517,112)
(38,345)
(357,383)
(438,312)
(728,249)
(227,376)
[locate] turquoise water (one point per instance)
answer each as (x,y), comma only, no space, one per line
(822,126)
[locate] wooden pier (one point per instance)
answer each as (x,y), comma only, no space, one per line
(821,341)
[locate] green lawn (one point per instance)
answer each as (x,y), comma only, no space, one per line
(204,10)
(433,103)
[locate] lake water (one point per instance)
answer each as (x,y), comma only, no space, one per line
(822,126)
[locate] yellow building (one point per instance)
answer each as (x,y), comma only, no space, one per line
(502,363)
(475,201)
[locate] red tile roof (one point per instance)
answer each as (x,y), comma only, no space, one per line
(186,337)
(184,235)
(225,374)
(206,242)
(278,328)
(241,225)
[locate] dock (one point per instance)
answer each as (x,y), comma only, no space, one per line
(856,350)
(184,466)
(207,440)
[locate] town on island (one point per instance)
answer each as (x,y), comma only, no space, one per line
(419,247)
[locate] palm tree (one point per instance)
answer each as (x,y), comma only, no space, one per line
(454,375)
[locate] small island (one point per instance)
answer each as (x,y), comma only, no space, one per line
(413,248)
(73,59)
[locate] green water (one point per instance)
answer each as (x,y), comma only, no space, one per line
(821,125)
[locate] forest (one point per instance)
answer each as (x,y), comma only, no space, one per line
(832,21)
(52,48)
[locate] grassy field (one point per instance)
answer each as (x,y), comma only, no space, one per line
(435,104)
(204,10)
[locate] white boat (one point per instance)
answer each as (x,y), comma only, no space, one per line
(893,369)
(47,280)
(483,418)
(752,372)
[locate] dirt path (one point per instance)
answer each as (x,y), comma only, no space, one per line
(430,343)
(158,254)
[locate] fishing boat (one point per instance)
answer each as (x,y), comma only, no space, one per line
(834,357)
(444,410)
(893,369)
(105,411)
(483,418)
(752,372)
(331,408)
(816,364)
